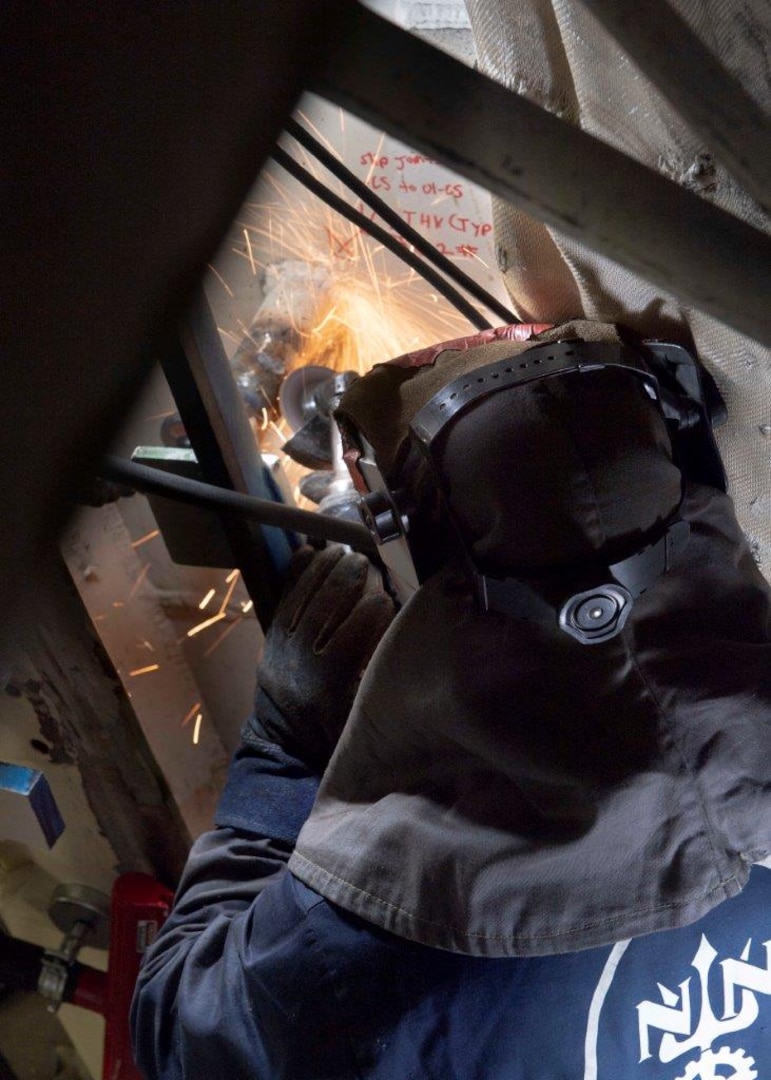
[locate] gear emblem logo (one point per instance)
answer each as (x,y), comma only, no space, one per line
(712,1065)
(689,1006)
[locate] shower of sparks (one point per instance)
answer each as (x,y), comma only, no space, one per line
(144,670)
(191,714)
(247,606)
(232,576)
(207,598)
(228,630)
(359,310)
(221,280)
(138,583)
(197,728)
(207,622)
(148,536)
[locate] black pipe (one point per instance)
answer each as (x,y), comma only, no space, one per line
(183,489)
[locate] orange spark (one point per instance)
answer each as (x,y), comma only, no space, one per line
(247,606)
(144,670)
(197,728)
(228,594)
(191,714)
(249,249)
(232,576)
(221,280)
(207,598)
(207,622)
(148,536)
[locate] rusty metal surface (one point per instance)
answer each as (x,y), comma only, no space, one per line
(553,171)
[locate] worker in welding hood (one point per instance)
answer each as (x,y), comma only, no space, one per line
(506,851)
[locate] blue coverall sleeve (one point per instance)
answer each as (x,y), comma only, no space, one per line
(210,994)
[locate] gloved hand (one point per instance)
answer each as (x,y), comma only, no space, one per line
(331,616)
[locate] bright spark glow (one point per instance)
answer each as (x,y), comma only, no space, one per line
(148,536)
(144,670)
(191,714)
(228,594)
(197,728)
(221,280)
(207,598)
(479,259)
(232,576)
(207,622)
(146,644)
(118,603)
(247,606)
(365,313)
(249,249)
(265,419)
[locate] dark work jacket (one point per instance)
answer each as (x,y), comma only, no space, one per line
(255,975)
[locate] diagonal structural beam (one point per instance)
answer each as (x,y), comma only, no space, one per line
(708,98)
(557,173)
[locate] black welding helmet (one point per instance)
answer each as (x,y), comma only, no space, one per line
(553,467)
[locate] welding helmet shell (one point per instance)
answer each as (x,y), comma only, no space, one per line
(544,461)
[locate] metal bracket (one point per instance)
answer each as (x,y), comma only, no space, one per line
(83,914)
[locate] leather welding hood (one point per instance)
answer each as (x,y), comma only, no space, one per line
(513,780)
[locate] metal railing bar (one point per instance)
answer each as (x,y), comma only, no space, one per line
(552,170)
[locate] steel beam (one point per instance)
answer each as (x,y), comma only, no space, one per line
(552,170)
(708,98)
(127,151)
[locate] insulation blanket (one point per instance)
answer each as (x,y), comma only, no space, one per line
(557,55)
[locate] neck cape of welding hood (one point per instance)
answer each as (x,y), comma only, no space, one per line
(500,788)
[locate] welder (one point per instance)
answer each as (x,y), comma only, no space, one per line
(525,843)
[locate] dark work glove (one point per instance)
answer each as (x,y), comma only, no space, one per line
(332,614)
